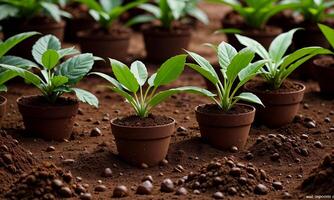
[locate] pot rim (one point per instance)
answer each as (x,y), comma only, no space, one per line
(76,102)
(112,122)
(223,114)
(279,93)
(315,62)
(85,35)
(3,100)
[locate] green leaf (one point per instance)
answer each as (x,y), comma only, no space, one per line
(50,59)
(207,74)
(176,8)
(328,32)
(238,63)
(140,19)
(7,11)
(249,97)
(154,10)
(226,53)
(139,70)
(76,67)
(125,95)
(228,31)
(124,75)
(170,70)
(13,41)
(6,76)
(151,79)
(57,81)
(67,52)
(86,97)
(3,88)
(27,75)
(199,15)
(53,10)
(108,78)
(18,62)
(205,64)
(251,69)
(42,45)
(257,47)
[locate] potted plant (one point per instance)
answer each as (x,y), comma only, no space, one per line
(109,38)
(169,36)
(144,137)
(324,66)
(280,96)
(250,18)
(226,123)
(6,75)
(50,115)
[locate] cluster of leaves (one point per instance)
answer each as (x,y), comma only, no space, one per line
(237,70)
(167,11)
(106,12)
(130,83)
(328,32)
(279,67)
(257,13)
(6,75)
(26,9)
(57,77)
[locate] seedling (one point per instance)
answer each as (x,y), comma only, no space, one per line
(328,33)
(57,77)
(279,67)
(237,70)
(314,10)
(106,13)
(167,11)
(130,83)
(32,8)
(6,75)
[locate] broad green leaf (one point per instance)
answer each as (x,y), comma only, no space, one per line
(249,97)
(17,61)
(207,74)
(238,63)
(125,95)
(170,70)
(124,75)
(53,10)
(257,47)
(77,67)
(13,41)
(139,70)
(108,78)
(25,74)
(251,69)
(199,15)
(7,11)
(176,8)
(328,32)
(67,52)
(59,81)
(6,76)
(86,97)
(50,59)
(226,53)
(151,80)
(42,45)
(205,64)
(154,10)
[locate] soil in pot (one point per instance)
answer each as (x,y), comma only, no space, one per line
(324,67)
(286,20)
(3,103)
(112,43)
(48,121)
(281,105)
(222,129)
(264,36)
(143,140)
(43,25)
(161,43)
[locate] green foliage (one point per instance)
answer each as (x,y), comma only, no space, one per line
(279,66)
(256,13)
(26,9)
(237,70)
(328,32)
(57,77)
(167,11)
(130,83)
(106,12)
(7,45)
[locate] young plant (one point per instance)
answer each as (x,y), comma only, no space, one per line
(237,70)
(167,11)
(26,9)
(107,12)
(57,77)
(140,91)
(257,13)
(5,46)
(328,33)
(279,66)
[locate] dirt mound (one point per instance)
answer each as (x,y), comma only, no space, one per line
(14,160)
(321,180)
(280,148)
(45,182)
(231,178)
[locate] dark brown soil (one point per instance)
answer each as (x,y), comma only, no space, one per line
(151,120)
(325,61)
(115,31)
(215,109)
(262,86)
(42,101)
(14,161)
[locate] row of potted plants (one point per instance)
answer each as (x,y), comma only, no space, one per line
(144,137)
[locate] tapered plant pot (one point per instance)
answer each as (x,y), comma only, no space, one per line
(225,130)
(3,104)
(143,144)
(281,106)
(46,120)
(324,68)
(161,44)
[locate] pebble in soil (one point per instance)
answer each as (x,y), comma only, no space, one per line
(45,182)
(321,179)
(280,148)
(229,177)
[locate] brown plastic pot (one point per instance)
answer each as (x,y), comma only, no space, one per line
(162,44)
(50,122)
(138,145)
(224,131)
(280,108)
(325,75)
(3,104)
